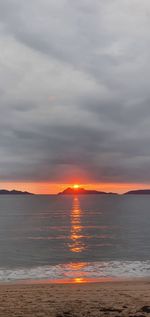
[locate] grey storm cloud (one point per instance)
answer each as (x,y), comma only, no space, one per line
(74,90)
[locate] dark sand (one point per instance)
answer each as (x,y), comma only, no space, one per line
(128,298)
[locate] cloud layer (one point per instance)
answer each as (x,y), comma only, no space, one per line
(74,87)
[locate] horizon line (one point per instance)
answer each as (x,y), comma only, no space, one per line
(71,187)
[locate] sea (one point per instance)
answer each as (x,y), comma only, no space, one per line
(75,238)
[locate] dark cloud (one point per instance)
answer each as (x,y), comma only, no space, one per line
(74,87)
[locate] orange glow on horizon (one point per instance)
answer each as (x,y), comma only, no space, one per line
(78,280)
(54,188)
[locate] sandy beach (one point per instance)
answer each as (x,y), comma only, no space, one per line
(128,298)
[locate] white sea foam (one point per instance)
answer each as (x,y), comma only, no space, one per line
(113,269)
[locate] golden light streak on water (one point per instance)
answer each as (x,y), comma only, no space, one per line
(76,235)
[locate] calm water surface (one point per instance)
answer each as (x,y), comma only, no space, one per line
(60,237)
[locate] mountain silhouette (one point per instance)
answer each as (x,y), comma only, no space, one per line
(138,192)
(13,192)
(82,191)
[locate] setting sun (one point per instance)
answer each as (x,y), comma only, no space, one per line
(76,186)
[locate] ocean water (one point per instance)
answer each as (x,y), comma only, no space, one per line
(74,237)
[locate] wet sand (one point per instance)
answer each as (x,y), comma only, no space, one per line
(128,298)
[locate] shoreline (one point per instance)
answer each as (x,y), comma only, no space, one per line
(113,298)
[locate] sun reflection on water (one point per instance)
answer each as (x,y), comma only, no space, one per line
(76,235)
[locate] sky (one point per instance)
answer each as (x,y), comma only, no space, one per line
(74,94)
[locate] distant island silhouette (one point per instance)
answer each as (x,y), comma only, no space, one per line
(82,191)
(138,192)
(13,192)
